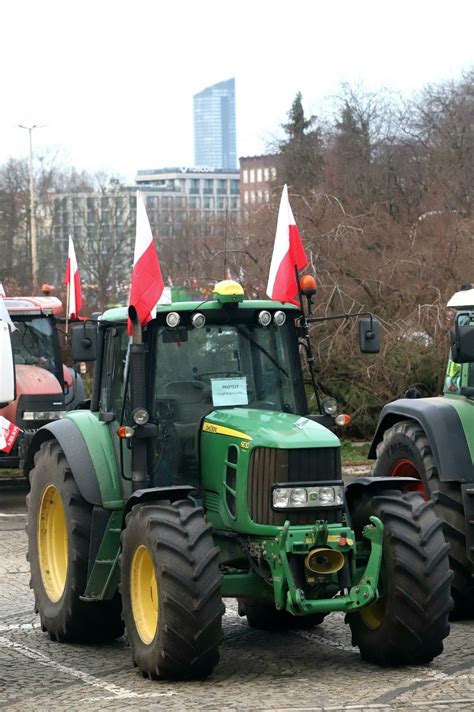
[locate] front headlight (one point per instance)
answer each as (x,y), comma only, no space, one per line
(310,496)
(43,414)
(329,405)
(298,497)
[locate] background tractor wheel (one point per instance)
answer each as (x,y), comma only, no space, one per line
(59,525)
(407,625)
(405,451)
(171,590)
(264,616)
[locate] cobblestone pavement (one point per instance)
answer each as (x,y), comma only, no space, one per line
(310,670)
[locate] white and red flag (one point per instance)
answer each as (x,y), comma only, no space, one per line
(288,253)
(73,282)
(8,434)
(147,281)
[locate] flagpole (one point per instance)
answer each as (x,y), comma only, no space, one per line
(68,287)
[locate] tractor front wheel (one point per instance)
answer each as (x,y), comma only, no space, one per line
(406,451)
(406,625)
(170,585)
(59,526)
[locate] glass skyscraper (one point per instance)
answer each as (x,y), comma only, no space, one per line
(214,126)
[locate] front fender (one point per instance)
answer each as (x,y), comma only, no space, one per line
(88,447)
(443,427)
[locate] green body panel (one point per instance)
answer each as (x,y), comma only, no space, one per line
(245,429)
(99,443)
(465,409)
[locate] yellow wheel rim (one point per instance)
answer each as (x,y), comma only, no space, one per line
(373,615)
(144,594)
(52,543)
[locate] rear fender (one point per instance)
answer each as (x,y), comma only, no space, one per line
(443,428)
(88,447)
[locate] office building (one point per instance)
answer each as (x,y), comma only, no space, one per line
(215,143)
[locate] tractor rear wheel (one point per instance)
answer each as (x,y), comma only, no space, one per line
(406,451)
(170,587)
(264,616)
(59,525)
(407,624)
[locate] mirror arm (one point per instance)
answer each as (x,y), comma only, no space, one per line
(313,319)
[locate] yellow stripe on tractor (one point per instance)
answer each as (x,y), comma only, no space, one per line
(221,430)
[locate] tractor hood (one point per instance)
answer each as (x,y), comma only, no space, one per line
(268,428)
(37,382)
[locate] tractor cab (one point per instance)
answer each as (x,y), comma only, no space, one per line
(223,354)
(460,370)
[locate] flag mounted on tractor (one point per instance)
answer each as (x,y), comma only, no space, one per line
(147,281)
(73,284)
(288,256)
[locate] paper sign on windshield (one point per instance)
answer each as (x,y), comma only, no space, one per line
(229,391)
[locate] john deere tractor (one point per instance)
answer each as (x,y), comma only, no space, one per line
(198,474)
(432,440)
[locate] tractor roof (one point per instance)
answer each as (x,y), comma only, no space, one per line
(225,292)
(462,300)
(120,313)
(34,306)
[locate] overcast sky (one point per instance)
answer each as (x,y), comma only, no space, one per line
(113,81)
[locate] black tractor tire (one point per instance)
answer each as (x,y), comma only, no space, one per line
(407,625)
(67,619)
(264,616)
(175,632)
(407,441)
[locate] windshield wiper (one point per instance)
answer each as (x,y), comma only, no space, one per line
(262,349)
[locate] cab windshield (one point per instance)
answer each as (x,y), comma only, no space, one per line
(227,366)
(33,343)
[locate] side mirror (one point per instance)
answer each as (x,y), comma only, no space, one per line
(7,366)
(84,342)
(369,335)
(462,341)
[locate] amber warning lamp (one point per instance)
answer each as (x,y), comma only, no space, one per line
(308,285)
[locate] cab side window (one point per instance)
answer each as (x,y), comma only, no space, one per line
(113,370)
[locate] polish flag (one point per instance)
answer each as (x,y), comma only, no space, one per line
(288,253)
(147,281)
(8,434)
(72,279)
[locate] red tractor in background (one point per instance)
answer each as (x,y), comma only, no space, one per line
(45,388)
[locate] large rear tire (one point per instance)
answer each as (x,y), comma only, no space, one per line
(405,450)
(171,590)
(59,526)
(407,624)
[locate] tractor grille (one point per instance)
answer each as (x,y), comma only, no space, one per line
(271,465)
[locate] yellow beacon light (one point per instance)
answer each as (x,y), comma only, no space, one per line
(228,291)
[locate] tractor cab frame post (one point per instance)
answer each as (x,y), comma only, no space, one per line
(140,477)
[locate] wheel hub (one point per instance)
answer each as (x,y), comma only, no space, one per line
(144,594)
(52,543)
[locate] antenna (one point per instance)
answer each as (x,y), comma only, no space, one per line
(225,235)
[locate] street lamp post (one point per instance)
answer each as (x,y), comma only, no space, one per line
(34,253)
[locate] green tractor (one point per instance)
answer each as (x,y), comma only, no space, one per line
(197,474)
(432,440)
